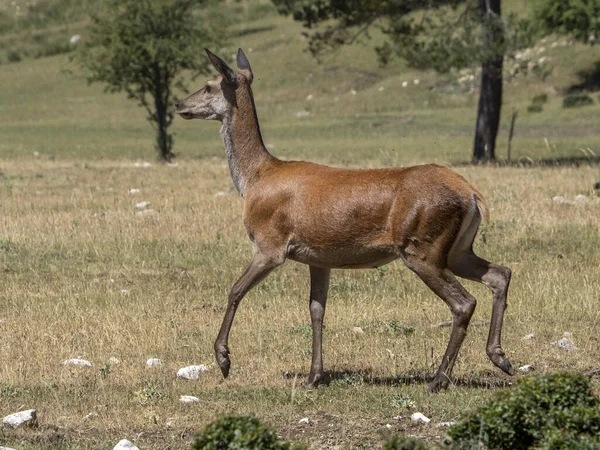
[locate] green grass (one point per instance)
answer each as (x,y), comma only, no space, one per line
(70,242)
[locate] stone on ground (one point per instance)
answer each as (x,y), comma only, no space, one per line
(28,417)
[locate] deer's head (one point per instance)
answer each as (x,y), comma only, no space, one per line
(217,98)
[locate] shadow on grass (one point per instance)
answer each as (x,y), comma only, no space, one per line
(567,161)
(589,80)
(253,30)
(479,380)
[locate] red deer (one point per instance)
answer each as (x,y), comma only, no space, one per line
(331,218)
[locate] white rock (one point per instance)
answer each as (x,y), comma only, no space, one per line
(581,198)
(302,114)
(188,399)
(528,337)
(220,194)
(142,205)
(144,164)
(77,362)
(309,97)
(304,420)
(381,89)
(562,201)
(114,361)
(353,92)
(124,291)
(89,416)
(566,344)
(74,39)
(445,424)
(153,362)
(416,81)
(133,191)
(358,330)
(388,426)
(173,164)
(192,372)
(36,154)
(397,417)
(419,417)
(20,418)
(526,368)
(124,444)
(146,213)
(404,84)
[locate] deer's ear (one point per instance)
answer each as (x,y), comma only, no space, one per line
(228,74)
(244,64)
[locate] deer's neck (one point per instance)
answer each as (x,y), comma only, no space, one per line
(246,152)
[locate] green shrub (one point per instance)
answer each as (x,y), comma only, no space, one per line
(535,108)
(539,99)
(240,433)
(577,100)
(13,56)
(397,443)
(547,412)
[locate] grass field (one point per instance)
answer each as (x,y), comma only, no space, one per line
(82,275)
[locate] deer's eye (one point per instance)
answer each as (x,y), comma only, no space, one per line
(207,89)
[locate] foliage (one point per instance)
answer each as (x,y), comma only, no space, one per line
(581,18)
(144,48)
(549,412)
(577,100)
(240,433)
(397,443)
(438,34)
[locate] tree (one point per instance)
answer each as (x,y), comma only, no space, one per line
(438,34)
(580,18)
(145,48)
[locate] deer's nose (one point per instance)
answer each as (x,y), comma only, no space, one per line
(177,105)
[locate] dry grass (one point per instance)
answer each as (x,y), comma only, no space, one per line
(70,242)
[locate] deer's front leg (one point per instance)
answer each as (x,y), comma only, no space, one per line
(260,266)
(319,285)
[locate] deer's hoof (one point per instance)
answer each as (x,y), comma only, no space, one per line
(506,367)
(438,384)
(314,381)
(498,359)
(222,355)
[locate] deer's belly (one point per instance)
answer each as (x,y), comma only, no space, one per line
(340,257)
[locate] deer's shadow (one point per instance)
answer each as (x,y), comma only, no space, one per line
(479,380)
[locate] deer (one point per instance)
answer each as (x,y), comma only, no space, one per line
(337,218)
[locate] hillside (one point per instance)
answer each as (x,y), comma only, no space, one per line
(357,110)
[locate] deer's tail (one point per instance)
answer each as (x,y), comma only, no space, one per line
(481,205)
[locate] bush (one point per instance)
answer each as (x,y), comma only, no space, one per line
(535,108)
(577,100)
(546,412)
(398,443)
(539,99)
(240,433)
(13,56)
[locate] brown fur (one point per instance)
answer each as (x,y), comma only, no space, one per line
(339,218)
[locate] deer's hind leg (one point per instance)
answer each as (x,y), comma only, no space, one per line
(462,305)
(463,262)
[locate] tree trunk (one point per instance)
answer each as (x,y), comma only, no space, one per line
(490,98)
(164,141)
